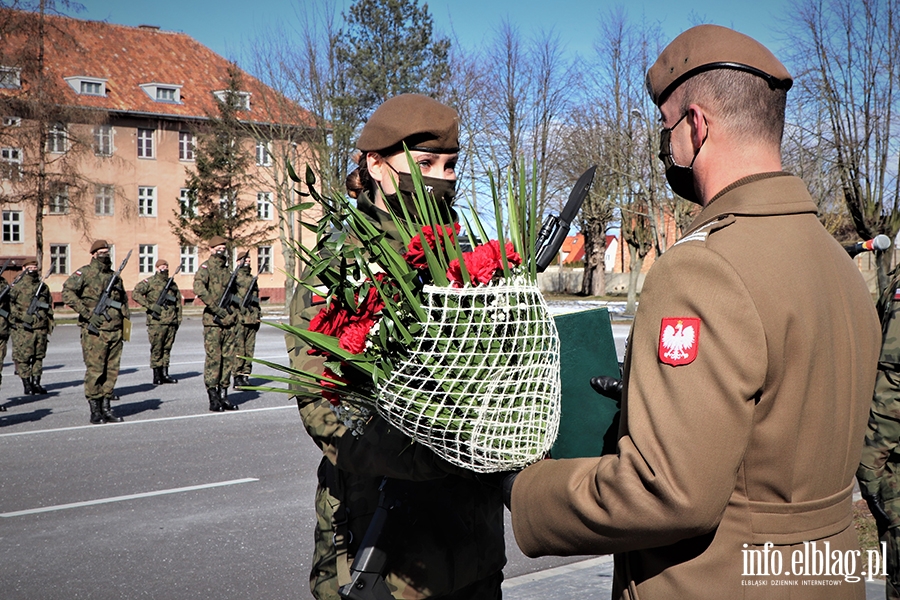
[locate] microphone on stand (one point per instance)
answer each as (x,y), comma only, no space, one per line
(879,242)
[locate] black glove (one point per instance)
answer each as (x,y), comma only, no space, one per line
(876,507)
(508,486)
(611,387)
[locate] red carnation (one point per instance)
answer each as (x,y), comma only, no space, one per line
(331,320)
(483,263)
(415,254)
(353,338)
(332,397)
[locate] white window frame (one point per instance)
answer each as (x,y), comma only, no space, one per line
(10,78)
(243,98)
(103,140)
(189,258)
(186,146)
(185,203)
(59,259)
(80,83)
(264,259)
(264,206)
(59,201)
(12,163)
(57,139)
(104,200)
(263,153)
(145,144)
(158,91)
(12,227)
(146,258)
(12,121)
(146,201)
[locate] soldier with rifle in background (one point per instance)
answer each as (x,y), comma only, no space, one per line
(96,293)
(162,299)
(4,321)
(31,307)
(248,321)
(215,284)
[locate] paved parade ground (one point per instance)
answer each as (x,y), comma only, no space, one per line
(179,503)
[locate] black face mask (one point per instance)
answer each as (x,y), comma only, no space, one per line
(164,273)
(680,178)
(443,190)
(33,274)
(106,260)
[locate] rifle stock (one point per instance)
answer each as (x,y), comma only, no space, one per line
(164,297)
(227,298)
(104,303)
(367,570)
(36,302)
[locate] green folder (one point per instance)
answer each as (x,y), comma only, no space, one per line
(589,422)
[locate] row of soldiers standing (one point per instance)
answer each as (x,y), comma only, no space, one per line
(229,329)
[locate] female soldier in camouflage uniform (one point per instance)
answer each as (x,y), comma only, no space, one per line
(446,538)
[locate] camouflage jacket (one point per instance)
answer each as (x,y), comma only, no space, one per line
(5,314)
(249,314)
(879,469)
(209,284)
(146,294)
(82,291)
(20,299)
(449,532)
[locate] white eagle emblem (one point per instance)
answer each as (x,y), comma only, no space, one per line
(678,341)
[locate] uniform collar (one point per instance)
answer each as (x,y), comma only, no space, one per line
(763,194)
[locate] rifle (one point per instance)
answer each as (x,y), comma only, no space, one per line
(105,301)
(555,229)
(227,299)
(36,302)
(5,292)
(246,301)
(164,297)
(367,570)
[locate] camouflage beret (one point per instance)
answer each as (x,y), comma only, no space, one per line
(99,245)
(217,240)
(161,262)
(708,47)
(31,262)
(422,122)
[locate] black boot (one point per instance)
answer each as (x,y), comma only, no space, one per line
(223,399)
(214,404)
(36,386)
(26,383)
(108,417)
(96,414)
(164,376)
(157,375)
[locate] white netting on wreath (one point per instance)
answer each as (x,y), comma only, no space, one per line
(480,386)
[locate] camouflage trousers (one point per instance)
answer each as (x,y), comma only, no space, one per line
(219,345)
(102,355)
(244,345)
(29,350)
(3,343)
(162,337)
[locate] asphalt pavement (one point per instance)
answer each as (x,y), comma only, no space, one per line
(178,502)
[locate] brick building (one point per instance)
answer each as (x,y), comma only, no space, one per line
(131,101)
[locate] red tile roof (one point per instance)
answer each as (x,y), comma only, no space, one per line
(130,56)
(573,245)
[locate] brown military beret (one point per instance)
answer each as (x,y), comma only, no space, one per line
(99,245)
(217,240)
(422,122)
(31,262)
(161,262)
(708,47)
(243,255)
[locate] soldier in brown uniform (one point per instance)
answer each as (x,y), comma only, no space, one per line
(247,322)
(446,539)
(748,374)
(102,350)
(32,330)
(163,318)
(210,282)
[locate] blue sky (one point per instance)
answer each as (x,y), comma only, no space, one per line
(229,26)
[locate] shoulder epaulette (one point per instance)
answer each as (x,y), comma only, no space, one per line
(700,234)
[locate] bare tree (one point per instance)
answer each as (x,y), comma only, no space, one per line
(850,53)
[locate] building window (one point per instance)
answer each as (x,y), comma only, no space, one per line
(164,94)
(88,86)
(189,259)
(186,203)
(264,206)
(227,206)
(12,121)
(185,145)
(264,259)
(145,143)
(263,153)
(11,159)
(59,200)
(103,138)
(56,138)
(146,258)
(241,99)
(93,88)
(10,78)
(59,259)
(104,200)
(12,226)
(147,201)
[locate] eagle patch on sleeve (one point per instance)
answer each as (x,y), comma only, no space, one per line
(679,340)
